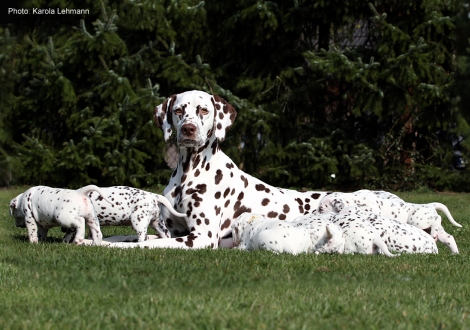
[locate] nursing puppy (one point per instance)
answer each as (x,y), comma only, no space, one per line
(254,232)
(423,216)
(360,236)
(326,236)
(398,236)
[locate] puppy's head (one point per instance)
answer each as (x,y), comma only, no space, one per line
(16,212)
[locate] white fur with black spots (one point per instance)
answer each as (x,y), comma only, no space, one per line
(207,185)
(423,216)
(41,208)
(398,236)
(360,236)
(132,207)
(307,235)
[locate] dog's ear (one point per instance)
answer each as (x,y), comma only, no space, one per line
(14,204)
(224,116)
(163,116)
(335,239)
(332,231)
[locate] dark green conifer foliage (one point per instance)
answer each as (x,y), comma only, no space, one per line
(86,95)
(462,97)
(365,91)
(370,105)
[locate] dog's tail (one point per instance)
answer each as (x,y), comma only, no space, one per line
(161,199)
(443,208)
(383,247)
(88,189)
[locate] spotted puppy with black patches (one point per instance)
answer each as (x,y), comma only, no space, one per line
(337,201)
(423,216)
(255,232)
(132,207)
(360,236)
(41,208)
(398,236)
(207,185)
(326,236)
(379,193)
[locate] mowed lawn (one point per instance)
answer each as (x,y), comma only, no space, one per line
(56,286)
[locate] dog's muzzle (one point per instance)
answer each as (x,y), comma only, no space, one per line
(188,136)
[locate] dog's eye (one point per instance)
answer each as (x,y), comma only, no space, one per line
(178,111)
(204,111)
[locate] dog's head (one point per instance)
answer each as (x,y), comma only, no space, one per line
(241,224)
(196,116)
(16,212)
(333,241)
(333,202)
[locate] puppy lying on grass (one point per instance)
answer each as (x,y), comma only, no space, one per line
(365,230)
(423,216)
(254,232)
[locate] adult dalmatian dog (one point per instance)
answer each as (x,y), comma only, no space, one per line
(207,185)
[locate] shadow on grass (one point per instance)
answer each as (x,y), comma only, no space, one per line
(23,238)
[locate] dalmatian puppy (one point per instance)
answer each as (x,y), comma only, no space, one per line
(337,201)
(326,236)
(255,232)
(379,193)
(207,185)
(423,216)
(41,208)
(398,236)
(132,206)
(360,236)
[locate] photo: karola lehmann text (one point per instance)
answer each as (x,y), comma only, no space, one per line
(47,11)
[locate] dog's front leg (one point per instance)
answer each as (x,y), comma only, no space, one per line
(205,227)
(191,241)
(31,226)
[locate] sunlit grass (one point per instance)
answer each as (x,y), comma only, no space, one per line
(58,286)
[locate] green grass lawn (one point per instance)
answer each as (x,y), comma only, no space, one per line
(56,286)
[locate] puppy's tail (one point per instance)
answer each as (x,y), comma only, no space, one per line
(382,246)
(443,208)
(161,199)
(88,189)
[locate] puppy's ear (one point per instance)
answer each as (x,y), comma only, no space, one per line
(332,231)
(13,204)
(163,116)
(224,116)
